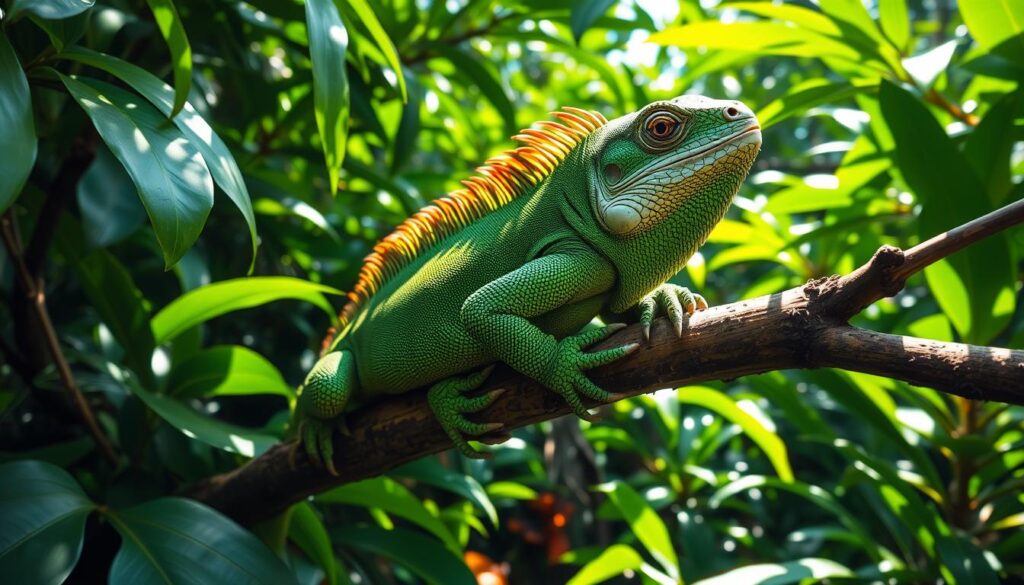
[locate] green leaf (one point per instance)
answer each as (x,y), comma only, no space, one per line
(808,94)
(613,561)
(44,512)
(17,129)
(108,202)
(170,174)
(195,425)
(993,21)
(801,571)
(762,37)
(511,490)
(926,67)
(218,158)
(486,80)
(169,23)
(121,307)
(226,370)
(892,14)
(367,16)
(645,524)
(431,472)
(966,561)
(205,303)
(328,42)
(951,194)
(308,532)
(392,497)
(769,442)
(64,32)
(175,540)
(422,555)
(585,13)
(50,9)
(989,147)
(950,293)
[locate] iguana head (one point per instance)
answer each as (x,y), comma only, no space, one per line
(658,181)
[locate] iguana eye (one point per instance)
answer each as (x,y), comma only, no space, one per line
(661,130)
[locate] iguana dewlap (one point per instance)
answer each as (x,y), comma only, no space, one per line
(588,217)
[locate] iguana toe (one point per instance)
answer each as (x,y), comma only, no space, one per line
(449,404)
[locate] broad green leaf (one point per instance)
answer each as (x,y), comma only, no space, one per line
(645,524)
(989,147)
(802,571)
(202,304)
(892,15)
(951,194)
(488,81)
(812,493)
(993,21)
(724,406)
(585,13)
(328,43)
(307,531)
(218,157)
(44,512)
(763,37)
(802,17)
(226,370)
(195,425)
(366,15)
(51,9)
(17,130)
(430,471)
(849,15)
(175,540)
(806,95)
(394,498)
(613,561)
(422,555)
(950,293)
(169,23)
(170,174)
(113,294)
(966,561)
(108,202)
(511,490)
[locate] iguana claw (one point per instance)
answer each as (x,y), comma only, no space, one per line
(672,300)
(565,374)
(449,404)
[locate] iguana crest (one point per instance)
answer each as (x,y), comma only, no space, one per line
(500,180)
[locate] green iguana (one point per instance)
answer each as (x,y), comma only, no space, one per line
(587,218)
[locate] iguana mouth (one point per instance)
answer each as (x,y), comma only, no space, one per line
(685,158)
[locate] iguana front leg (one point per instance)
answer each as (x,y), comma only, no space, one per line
(671,300)
(498,316)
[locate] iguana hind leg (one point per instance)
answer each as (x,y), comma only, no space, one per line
(322,399)
(447,400)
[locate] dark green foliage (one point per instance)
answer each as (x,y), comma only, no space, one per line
(886,122)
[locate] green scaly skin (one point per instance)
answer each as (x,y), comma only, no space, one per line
(600,235)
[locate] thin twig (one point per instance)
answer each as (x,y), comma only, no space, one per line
(34,290)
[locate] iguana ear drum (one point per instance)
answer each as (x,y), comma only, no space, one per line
(621,219)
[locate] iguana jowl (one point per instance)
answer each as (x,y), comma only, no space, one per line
(588,218)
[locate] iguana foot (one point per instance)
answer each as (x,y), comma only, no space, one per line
(449,405)
(565,373)
(671,300)
(322,399)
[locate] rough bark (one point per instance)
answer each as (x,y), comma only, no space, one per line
(804,327)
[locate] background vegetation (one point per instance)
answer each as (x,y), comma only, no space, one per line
(191,239)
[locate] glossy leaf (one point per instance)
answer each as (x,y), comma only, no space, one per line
(809,94)
(108,202)
(895,21)
(612,561)
(394,498)
(218,157)
(175,540)
(645,524)
(213,300)
(44,512)
(487,81)
(800,571)
(989,147)
(422,555)
(170,174)
(308,532)
(431,472)
(328,43)
(51,9)
(724,406)
(17,131)
(368,18)
(226,370)
(584,13)
(169,23)
(196,425)
(993,21)
(762,36)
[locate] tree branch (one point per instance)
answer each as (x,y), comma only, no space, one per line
(804,327)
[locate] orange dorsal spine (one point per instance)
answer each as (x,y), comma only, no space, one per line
(500,180)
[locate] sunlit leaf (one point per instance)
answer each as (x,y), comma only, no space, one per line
(308,532)
(892,15)
(226,370)
(431,472)
(50,9)
(169,23)
(17,132)
(613,561)
(800,571)
(762,37)
(380,37)
(205,303)
(645,524)
(926,67)
(993,21)
(175,540)
(424,556)
(328,43)
(44,511)
(170,174)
